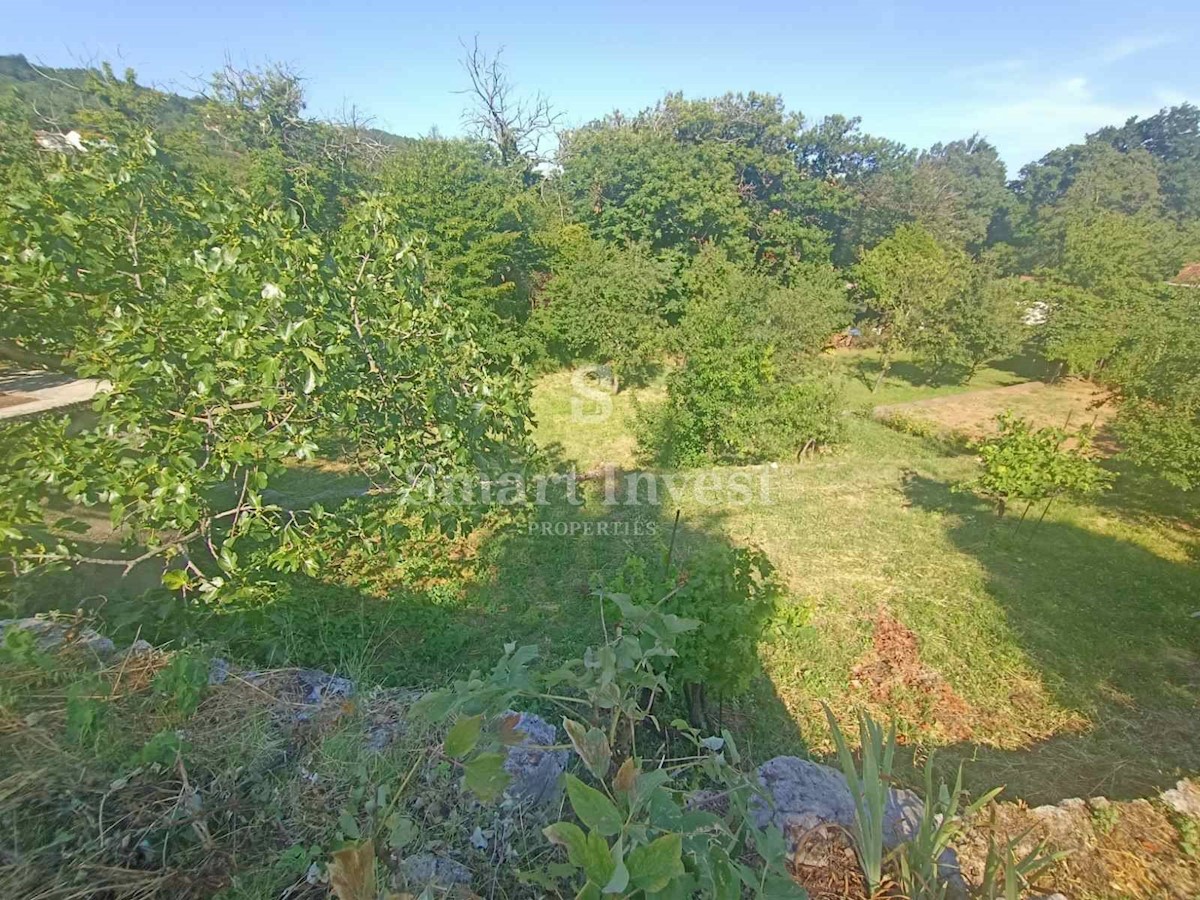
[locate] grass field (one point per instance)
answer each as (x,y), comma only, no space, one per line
(906,380)
(1063,656)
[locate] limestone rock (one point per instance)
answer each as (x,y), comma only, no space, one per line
(51,635)
(1184,798)
(804,797)
(535,771)
(425,869)
(318,686)
(218,671)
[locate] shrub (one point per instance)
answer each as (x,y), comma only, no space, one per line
(1022,463)
(632,832)
(730,592)
(792,418)
(609,303)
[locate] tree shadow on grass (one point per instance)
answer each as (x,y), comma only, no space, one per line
(1026,366)
(1139,495)
(1109,625)
(540,576)
(866,370)
(530,582)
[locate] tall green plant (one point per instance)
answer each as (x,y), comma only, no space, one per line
(1031,465)
(942,822)
(868,787)
(631,832)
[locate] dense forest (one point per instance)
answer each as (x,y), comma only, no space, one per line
(263,292)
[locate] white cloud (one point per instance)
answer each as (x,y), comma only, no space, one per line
(1126,47)
(1035,120)
(1026,109)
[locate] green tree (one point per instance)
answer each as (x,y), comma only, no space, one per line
(736,397)
(909,282)
(1157,373)
(478,222)
(979,324)
(687,173)
(607,303)
(235,340)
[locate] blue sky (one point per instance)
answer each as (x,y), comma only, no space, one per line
(1030,76)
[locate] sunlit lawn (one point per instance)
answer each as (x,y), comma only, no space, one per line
(1062,654)
(1059,657)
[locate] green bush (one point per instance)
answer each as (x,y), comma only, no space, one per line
(746,390)
(791,419)
(730,592)
(629,833)
(608,303)
(1022,463)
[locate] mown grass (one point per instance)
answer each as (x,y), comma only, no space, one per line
(1067,646)
(588,427)
(906,380)
(1062,657)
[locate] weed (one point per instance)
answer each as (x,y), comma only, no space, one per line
(869,788)
(181,684)
(1189,835)
(1105,818)
(922,873)
(1007,874)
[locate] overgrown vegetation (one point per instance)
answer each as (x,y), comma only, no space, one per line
(316,445)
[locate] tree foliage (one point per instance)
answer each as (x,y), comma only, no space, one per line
(1027,464)
(234,340)
(608,302)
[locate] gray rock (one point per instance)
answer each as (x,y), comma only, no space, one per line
(426,869)
(1184,798)
(380,736)
(801,796)
(535,771)
(218,671)
(139,648)
(51,635)
(318,686)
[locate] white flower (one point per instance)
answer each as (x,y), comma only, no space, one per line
(272,291)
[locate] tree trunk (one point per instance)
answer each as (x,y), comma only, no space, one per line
(885,364)
(697,712)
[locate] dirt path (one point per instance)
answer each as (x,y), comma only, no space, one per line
(1073,402)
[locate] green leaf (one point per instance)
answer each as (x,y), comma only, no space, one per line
(595,810)
(175,579)
(592,747)
(485,776)
(780,887)
(348,826)
(401,832)
(463,737)
(653,865)
(588,852)
(569,835)
(597,859)
(619,880)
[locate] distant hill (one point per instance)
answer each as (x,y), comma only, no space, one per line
(57,95)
